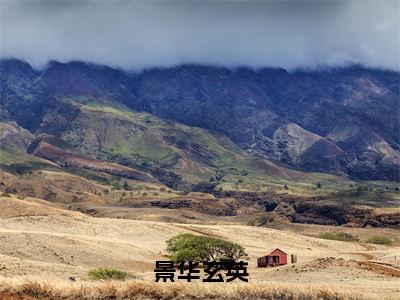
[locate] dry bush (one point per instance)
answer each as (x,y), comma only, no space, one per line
(27,289)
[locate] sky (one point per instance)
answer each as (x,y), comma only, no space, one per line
(142,34)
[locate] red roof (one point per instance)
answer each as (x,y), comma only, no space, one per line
(277,249)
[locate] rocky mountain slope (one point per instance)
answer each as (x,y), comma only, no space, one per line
(45,147)
(340,121)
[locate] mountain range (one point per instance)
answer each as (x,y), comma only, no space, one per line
(194,123)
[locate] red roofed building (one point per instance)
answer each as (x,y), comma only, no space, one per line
(274,259)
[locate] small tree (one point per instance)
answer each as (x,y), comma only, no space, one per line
(319,185)
(190,247)
(185,191)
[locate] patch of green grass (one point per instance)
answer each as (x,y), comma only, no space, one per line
(107,274)
(26,167)
(338,236)
(153,149)
(5,194)
(380,240)
(91,175)
(55,141)
(19,163)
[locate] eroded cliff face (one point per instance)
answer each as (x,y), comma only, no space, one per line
(323,210)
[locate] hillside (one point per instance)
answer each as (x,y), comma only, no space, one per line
(71,134)
(216,180)
(342,121)
(177,155)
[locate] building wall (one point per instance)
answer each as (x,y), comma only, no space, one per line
(267,260)
(282,256)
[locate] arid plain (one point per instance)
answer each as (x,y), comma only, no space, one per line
(40,242)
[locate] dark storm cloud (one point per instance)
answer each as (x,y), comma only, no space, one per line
(134,34)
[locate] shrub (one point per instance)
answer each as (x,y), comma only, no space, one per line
(251,223)
(190,247)
(185,191)
(339,236)
(107,274)
(116,186)
(319,185)
(5,194)
(262,219)
(265,218)
(380,240)
(126,186)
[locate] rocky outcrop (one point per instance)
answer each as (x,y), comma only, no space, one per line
(216,207)
(315,210)
(14,137)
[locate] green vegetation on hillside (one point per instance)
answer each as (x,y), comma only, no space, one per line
(157,146)
(181,156)
(19,163)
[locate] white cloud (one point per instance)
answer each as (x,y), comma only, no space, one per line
(135,34)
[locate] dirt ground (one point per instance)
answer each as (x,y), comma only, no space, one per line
(41,240)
